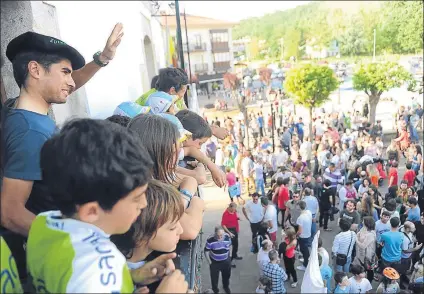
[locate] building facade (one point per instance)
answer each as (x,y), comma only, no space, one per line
(209,45)
(86,25)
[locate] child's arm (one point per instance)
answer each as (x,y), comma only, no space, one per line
(199,173)
(217,174)
(192,219)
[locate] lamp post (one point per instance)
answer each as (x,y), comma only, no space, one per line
(373,56)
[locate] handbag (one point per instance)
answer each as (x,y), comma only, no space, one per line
(370,264)
(341,259)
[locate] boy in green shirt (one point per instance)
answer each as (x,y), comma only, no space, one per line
(98,173)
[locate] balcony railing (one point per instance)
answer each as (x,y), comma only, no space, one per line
(194,47)
(201,68)
(222,66)
(220,47)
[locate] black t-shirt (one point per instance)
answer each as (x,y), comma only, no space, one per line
(325,201)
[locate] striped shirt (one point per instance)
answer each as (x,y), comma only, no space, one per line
(334,177)
(219,250)
(342,241)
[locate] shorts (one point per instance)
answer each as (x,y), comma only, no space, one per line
(273,236)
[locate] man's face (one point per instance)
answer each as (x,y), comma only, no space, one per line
(195,143)
(296,197)
(385,219)
(56,83)
(403,186)
(332,168)
(220,235)
(255,199)
(350,206)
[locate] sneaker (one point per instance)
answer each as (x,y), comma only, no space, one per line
(294,285)
(328,230)
(301,259)
(227,290)
(301,268)
(238,258)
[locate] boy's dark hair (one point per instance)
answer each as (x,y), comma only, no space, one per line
(171,77)
(356,269)
(344,225)
(286,181)
(154,82)
(302,205)
(93,161)
(194,123)
(394,222)
(264,201)
(408,165)
(412,200)
(280,181)
(119,119)
(338,277)
(390,204)
(386,213)
(20,64)
(369,223)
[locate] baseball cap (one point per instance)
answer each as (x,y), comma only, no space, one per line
(130,109)
(184,134)
(160,102)
(34,42)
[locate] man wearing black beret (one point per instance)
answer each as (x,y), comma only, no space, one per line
(47,71)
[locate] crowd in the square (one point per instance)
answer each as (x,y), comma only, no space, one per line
(343,177)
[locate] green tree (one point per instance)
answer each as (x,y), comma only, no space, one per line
(353,41)
(375,78)
(253,49)
(310,85)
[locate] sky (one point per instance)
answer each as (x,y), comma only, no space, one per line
(236,10)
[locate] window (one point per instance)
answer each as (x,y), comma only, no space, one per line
(222,57)
(220,37)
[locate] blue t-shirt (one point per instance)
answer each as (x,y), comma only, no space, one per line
(414,214)
(24,133)
(326,274)
(261,121)
(392,249)
(339,290)
(299,128)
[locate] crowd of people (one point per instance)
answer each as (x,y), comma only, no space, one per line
(345,178)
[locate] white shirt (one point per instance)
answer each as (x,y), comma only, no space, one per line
(259,171)
(282,158)
(246,167)
(254,211)
(408,243)
(305,221)
(219,157)
(306,150)
(271,215)
(358,288)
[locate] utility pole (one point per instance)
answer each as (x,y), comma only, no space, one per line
(188,48)
(373,56)
(180,43)
(272,127)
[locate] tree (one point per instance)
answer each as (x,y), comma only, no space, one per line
(353,41)
(375,78)
(311,85)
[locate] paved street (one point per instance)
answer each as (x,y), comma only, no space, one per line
(244,278)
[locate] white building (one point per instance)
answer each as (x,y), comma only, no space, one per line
(86,25)
(209,44)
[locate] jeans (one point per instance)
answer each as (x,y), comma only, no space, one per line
(344,268)
(260,185)
(303,246)
(414,134)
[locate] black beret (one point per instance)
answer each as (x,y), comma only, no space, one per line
(30,42)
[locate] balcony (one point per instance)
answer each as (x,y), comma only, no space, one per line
(201,68)
(222,66)
(194,47)
(220,47)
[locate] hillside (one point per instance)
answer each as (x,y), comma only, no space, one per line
(351,23)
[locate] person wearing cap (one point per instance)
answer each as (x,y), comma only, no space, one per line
(47,71)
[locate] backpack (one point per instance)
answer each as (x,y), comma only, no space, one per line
(255,248)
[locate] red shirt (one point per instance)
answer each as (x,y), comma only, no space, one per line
(231,179)
(230,220)
(410,177)
(283,197)
(393,173)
